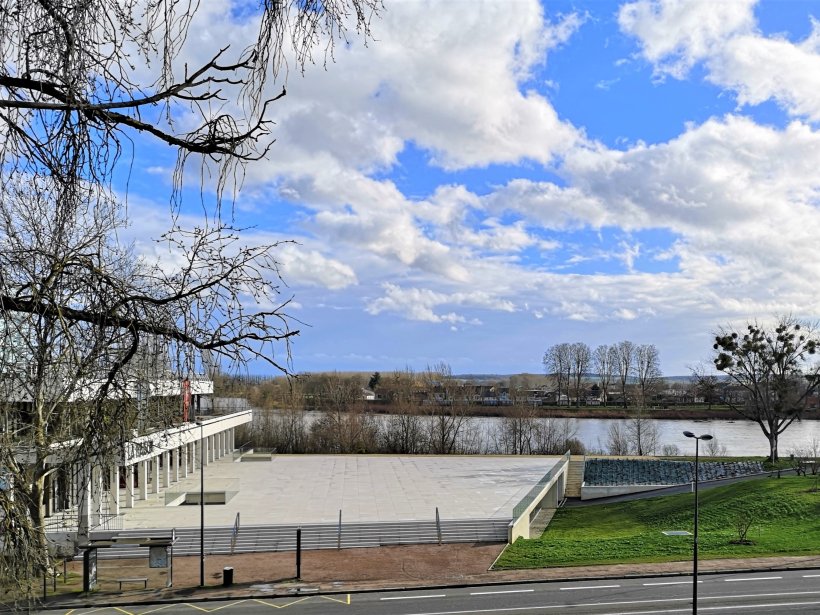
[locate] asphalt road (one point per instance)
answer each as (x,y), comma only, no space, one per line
(793,591)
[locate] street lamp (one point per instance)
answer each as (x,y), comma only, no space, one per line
(705,436)
(201,504)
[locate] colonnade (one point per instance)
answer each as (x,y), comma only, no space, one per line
(142,477)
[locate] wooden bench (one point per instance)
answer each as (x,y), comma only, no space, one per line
(143,580)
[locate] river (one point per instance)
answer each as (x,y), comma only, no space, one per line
(738,437)
(733,438)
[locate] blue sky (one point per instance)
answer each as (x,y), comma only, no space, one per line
(486,179)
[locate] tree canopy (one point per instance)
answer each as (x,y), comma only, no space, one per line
(87,323)
(773,370)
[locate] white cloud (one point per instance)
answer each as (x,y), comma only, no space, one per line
(677,34)
(310,267)
(760,69)
(420,303)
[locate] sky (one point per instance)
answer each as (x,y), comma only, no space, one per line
(485,179)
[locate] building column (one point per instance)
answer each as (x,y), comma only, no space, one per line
(84,501)
(192,460)
(175,460)
(114,490)
(183,460)
(142,480)
(129,486)
(166,469)
(155,474)
(204,454)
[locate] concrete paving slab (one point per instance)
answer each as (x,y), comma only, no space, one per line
(313,488)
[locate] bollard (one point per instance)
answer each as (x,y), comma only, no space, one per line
(227,576)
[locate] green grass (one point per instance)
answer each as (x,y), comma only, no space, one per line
(785,514)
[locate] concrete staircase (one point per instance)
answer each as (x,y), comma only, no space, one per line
(575,476)
(258,538)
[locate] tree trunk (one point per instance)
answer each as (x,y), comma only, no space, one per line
(38,522)
(771,433)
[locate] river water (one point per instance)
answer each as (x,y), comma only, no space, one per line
(738,437)
(733,438)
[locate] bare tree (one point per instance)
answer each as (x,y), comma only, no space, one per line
(714,448)
(580,358)
(641,433)
(515,433)
(558,365)
(448,416)
(86,325)
(647,371)
(624,364)
(404,430)
(617,439)
(772,369)
(705,383)
(603,361)
(554,436)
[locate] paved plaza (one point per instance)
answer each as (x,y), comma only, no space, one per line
(313,488)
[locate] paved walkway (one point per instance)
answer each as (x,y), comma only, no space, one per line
(353,570)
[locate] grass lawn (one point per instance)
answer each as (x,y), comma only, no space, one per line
(785,512)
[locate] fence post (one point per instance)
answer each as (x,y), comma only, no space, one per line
(438,526)
(298,553)
(339,533)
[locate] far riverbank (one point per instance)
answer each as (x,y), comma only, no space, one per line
(700,412)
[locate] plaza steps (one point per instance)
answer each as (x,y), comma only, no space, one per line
(575,477)
(261,538)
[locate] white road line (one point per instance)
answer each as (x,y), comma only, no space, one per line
(753,579)
(506,591)
(688,609)
(414,597)
(589,587)
(811,576)
(671,583)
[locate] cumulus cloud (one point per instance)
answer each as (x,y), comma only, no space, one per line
(421,303)
(312,268)
(675,35)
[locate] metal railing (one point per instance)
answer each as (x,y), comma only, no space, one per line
(528,499)
(237,453)
(235,533)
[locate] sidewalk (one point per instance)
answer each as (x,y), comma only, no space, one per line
(351,570)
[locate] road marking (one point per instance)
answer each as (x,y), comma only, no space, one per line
(281,606)
(670,583)
(506,591)
(752,579)
(590,587)
(414,597)
(805,576)
(217,608)
(116,608)
(166,606)
(624,603)
(332,599)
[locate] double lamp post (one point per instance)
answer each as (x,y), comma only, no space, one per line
(705,436)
